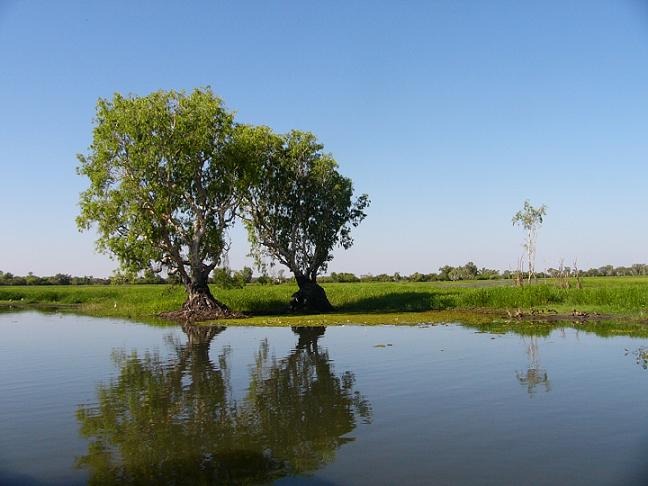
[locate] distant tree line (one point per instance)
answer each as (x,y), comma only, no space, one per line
(8,278)
(635,270)
(222,277)
(470,271)
(228,278)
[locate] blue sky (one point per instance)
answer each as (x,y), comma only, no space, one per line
(449,114)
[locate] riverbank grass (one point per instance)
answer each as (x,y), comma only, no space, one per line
(365,303)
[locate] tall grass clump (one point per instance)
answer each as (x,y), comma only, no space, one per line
(629,299)
(513,297)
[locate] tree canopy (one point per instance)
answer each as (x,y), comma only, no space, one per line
(164,185)
(298,207)
(169,173)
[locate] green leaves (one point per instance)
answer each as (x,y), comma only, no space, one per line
(530,217)
(168,173)
(299,207)
(163,181)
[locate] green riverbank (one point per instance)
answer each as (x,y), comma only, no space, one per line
(618,298)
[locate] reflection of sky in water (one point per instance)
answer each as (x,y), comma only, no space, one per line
(447,401)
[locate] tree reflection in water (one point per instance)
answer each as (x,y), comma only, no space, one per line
(175,421)
(534,375)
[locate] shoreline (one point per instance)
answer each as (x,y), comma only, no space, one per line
(618,299)
(459,315)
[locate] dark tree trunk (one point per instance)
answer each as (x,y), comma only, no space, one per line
(200,298)
(200,305)
(310,296)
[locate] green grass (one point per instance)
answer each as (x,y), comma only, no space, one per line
(367,303)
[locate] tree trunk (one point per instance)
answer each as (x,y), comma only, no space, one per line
(200,298)
(310,296)
(200,305)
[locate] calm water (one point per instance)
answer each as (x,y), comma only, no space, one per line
(107,401)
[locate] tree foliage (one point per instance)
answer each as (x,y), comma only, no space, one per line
(164,184)
(530,217)
(298,207)
(169,171)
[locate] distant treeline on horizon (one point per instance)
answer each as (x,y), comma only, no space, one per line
(227,278)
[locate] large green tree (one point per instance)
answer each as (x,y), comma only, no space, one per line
(298,207)
(164,186)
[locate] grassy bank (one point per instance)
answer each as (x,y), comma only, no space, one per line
(369,303)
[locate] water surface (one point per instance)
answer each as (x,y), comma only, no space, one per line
(103,401)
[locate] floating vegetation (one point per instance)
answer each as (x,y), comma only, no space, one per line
(640,355)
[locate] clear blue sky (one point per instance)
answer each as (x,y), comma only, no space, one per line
(448,113)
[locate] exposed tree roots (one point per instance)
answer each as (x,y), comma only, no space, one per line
(201,306)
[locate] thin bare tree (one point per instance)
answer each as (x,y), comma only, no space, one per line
(530,219)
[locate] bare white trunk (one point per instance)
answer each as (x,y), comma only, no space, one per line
(531,237)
